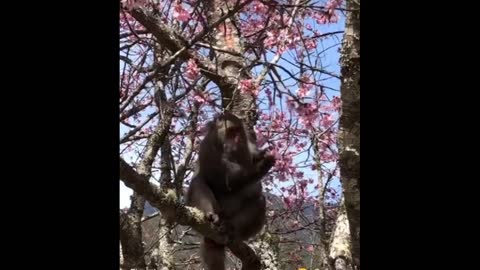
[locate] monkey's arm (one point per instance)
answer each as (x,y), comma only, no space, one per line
(201,196)
(239,176)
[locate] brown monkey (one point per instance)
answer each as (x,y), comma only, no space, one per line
(227,186)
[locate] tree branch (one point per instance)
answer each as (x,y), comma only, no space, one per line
(168,205)
(179,46)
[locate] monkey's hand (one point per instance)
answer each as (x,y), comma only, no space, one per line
(265,164)
(238,177)
(224,227)
(258,156)
(213,218)
(221,225)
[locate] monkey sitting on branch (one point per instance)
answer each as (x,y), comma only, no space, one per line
(227,186)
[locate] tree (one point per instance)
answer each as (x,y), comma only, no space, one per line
(183,61)
(349,137)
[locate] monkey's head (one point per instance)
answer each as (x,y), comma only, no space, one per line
(231,137)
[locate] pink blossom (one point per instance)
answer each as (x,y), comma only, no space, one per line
(302,92)
(200,98)
(179,13)
(310,44)
(192,70)
(259,7)
(248,86)
(329,15)
(336,103)
(289,201)
(271,40)
(327,120)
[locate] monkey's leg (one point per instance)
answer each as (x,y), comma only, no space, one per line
(201,197)
(249,220)
(213,254)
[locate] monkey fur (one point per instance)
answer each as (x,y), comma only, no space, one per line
(227,186)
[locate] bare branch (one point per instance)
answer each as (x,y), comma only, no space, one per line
(127,136)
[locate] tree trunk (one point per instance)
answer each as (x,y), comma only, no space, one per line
(227,37)
(268,254)
(165,246)
(121,257)
(341,264)
(340,254)
(131,234)
(349,136)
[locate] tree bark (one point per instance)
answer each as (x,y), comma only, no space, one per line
(268,255)
(349,136)
(340,254)
(131,235)
(165,246)
(231,63)
(121,257)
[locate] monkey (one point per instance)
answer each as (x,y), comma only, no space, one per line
(226,185)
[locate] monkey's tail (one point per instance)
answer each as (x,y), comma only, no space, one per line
(213,254)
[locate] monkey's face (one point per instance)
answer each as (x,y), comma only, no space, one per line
(232,139)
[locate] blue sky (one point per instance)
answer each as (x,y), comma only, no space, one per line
(329,61)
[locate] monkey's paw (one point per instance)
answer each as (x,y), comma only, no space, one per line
(224,228)
(213,218)
(219,225)
(269,159)
(267,162)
